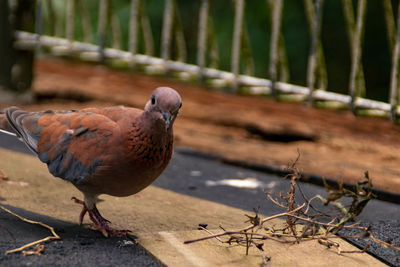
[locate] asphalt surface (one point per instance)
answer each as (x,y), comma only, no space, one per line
(78,245)
(190,174)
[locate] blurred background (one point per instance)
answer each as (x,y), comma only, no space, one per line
(337,28)
(295,30)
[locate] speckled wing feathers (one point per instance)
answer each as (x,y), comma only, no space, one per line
(20,121)
(71,143)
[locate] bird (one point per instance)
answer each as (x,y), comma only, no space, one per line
(116,150)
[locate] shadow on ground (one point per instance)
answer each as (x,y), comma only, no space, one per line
(79,246)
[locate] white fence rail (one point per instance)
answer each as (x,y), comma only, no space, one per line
(315,92)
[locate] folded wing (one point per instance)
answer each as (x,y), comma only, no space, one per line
(72,143)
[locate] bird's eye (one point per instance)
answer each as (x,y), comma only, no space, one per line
(153,100)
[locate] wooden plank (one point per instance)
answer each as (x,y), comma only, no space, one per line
(169,247)
(161,220)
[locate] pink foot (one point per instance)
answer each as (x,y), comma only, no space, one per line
(100,223)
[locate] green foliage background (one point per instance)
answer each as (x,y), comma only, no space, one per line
(376,56)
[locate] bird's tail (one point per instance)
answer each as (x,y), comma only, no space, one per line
(5,126)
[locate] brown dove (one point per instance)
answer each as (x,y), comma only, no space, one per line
(115,150)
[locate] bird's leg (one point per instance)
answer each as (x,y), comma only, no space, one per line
(100,223)
(84,209)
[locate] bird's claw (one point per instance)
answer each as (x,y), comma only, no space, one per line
(100,223)
(108,231)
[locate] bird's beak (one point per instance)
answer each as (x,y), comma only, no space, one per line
(167,119)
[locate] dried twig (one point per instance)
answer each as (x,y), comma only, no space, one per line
(246,228)
(290,203)
(37,249)
(205,229)
(307,216)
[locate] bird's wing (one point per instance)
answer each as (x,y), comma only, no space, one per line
(5,127)
(116,113)
(72,143)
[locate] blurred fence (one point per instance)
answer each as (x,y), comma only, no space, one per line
(63,42)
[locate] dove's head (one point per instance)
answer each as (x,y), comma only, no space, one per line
(164,104)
